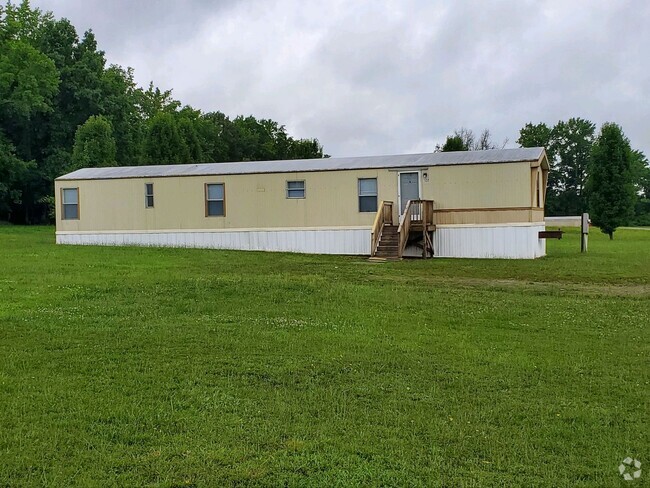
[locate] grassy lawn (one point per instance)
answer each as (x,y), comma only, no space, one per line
(179,367)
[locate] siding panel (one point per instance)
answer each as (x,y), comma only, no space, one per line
(509,242)
(326,241)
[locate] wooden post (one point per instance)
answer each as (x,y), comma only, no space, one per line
(424,230)
(584,234)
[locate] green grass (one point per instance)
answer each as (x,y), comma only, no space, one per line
(179,367)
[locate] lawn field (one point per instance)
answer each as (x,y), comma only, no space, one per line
(184,367)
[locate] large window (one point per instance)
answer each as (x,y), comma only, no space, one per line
(148,195)
(296,189)
(215,200)
(70,203)
(367,194)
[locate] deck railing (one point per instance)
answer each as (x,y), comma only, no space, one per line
(384,217)
(416,212)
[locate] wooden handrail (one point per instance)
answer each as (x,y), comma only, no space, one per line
(384,217)
(416,211)
(404,228)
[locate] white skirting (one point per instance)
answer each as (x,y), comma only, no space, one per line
(355,241)
(507,241)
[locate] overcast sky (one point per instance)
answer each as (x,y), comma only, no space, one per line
(386,77)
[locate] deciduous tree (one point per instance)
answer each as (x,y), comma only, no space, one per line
(163,143)
(571,143)
(94,145)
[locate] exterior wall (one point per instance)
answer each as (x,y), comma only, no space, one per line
(488,216)
(479,186)
(258,201)
(251,202)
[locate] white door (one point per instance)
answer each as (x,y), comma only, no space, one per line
(408,189)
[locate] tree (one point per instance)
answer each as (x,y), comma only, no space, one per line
(454,143)
(188,121)
(641,177)
(305,149)
(21,22)
(163,143)
(641,173)
(610,184)
(94,145)
(464,140)
(571,143)
(12,173)
(217,135)
(119,105)
(540,135)
(28,82)
(568,148)
(153,101)
(53,82)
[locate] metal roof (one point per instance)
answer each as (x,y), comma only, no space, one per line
(303,165)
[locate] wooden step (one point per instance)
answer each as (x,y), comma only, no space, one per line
(387,246)
(386,253)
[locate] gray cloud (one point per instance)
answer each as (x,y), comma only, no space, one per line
(373,77)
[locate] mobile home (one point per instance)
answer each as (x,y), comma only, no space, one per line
(480,204)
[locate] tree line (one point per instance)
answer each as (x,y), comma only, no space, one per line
(596,172)
(62,108)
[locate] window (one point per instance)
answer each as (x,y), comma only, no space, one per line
(296,189)
(70,201)
(215,200)
(367,194)
(148,195)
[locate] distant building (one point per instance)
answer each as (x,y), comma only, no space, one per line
(479,204)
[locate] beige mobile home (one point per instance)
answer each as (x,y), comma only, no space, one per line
(481,204)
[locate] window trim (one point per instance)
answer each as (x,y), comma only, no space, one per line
(304,189)
(376,195)
(147,195)
(205,190)
(63,204)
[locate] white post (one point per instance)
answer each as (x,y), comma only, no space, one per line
(584,234)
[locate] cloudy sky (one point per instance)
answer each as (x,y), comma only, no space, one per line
(387,76)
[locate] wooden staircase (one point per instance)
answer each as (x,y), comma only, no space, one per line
(389,241)
(388,245)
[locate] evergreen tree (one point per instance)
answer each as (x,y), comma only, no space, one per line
(94,145)
(610,184)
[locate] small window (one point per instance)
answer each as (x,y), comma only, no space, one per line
(148,195)
(539,192)
(215,200)
(367,194)
(296,189)
(70,201)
